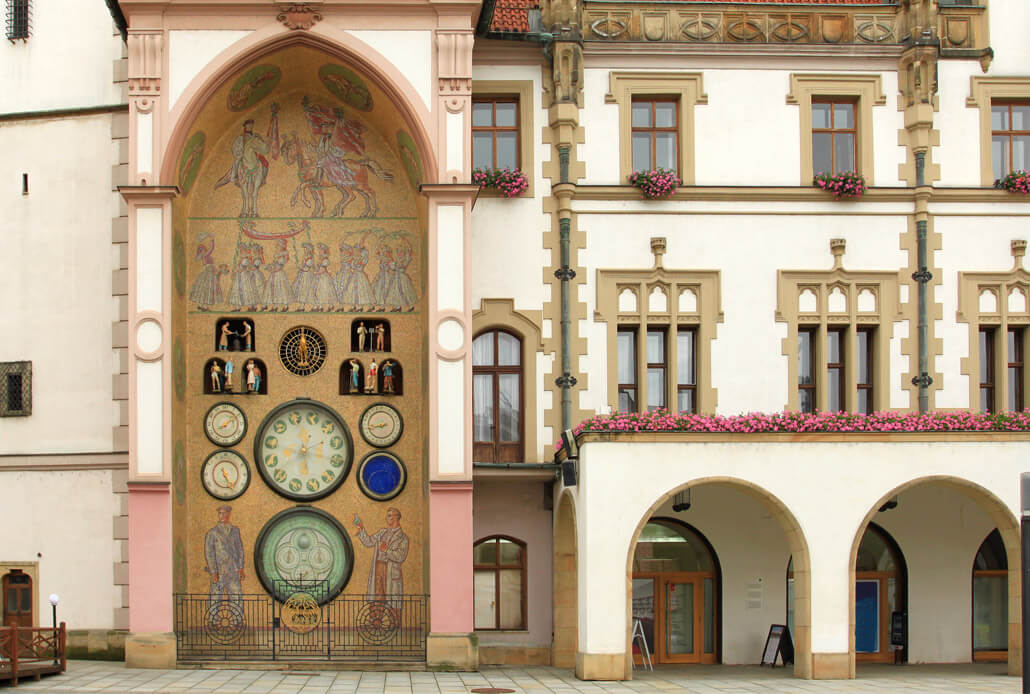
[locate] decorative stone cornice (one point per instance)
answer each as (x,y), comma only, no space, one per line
(145,53)
(298,16)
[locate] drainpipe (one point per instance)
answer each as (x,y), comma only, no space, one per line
(565,274)
(923,277)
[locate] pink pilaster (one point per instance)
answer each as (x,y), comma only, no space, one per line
(450,558)
(150,558)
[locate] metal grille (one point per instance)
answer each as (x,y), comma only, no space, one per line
(353,628)
(15,388)
(19,17)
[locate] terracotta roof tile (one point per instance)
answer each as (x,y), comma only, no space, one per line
(512,15)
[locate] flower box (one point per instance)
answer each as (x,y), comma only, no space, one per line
(655,184)
(1017,181)
(847,184)
(510,183)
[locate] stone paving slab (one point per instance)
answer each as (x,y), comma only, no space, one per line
(91,677)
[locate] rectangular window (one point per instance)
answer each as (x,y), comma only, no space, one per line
(686,370)
(15,389)
(864,361)
(627,351)
(1010,137)
(495,133)
(806,369)
(834,136)
(986,370)
(656,368)
(835,370)
(18,23)
(655,134)
(1015,369)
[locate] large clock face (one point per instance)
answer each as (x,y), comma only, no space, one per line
(304,549)
(303,450)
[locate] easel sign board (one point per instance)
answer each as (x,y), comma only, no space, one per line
(898,635)
(778,642)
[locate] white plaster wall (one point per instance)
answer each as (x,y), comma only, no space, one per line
(746,134)
(939,531)
(189,52)
(828,487)
(969,244)
(516,508)
(64,522)
(748,249)
(752,551)
(56,261)
(506,241)
(959,125)
(65,63)
(412,54)
(1008,22)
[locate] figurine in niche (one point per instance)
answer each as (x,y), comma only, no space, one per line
(380,331)
(223,337)
(248,337)
(362,333)
(355,376)
(370,377)
(216,377)
(229,369)
(387,369)
(253,377)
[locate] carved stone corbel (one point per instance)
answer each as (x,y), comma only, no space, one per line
(298,16)
(144,49)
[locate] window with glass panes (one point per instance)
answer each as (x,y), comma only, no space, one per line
(656,368)
(655,134)
(986,369)
(1015,369)
(1010,137)
(806,369)
(497,398)
(686,370)
(834,136)
(499,583)
(864,360)
(495,133)
(835,370)
(626,345)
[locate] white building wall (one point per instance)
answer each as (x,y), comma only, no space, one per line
(619,481)
(63,521)
(959,125)
(65,63)
(56,248)
(1008,22)
(748,249)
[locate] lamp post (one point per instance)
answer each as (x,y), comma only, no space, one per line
(1024,536)
(54,599)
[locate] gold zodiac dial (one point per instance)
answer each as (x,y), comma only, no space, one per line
(225,474)
(303,450)
(225,424)
(302,351)
(381,425)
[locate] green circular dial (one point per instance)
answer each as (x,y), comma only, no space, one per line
(304,549)
(303,450)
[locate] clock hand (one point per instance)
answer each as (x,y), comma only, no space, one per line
(377,426)
(318,448)
(225,476)
(288,452)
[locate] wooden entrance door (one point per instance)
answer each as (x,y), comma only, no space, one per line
(875,599)
(678,613)
(17,596)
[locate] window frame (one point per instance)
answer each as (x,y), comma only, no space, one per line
(495,371)
(522,91)
(497,567)
(633,387)
(985,343)
(983,92)
(493,128)
(1015,400)
(663,365)
(653,130)
(833,130)
(1007,134)
(18,24)
(812,331)
(680,385)
(22,370)
(870,365)
(841,334)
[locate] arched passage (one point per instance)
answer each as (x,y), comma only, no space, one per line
(566,584)
(939,523)
(735,515)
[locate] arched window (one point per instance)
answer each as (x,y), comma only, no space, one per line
(499,576)
(990,600)
(497,419)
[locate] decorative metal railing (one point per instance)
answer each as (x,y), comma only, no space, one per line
(259,627)
(31,651)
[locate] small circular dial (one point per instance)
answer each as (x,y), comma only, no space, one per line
(225,474)
(381,425)
(225,424)
(303,450)
(381,475)
(302,351)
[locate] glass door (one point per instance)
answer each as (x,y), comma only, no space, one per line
(677,613)
(679,621)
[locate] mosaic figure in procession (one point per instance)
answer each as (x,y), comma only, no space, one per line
(324,289)
(278,292)
(223,550)
(390,549)
(206,291)
(249,170)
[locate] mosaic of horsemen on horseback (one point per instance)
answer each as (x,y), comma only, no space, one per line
(277,265)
